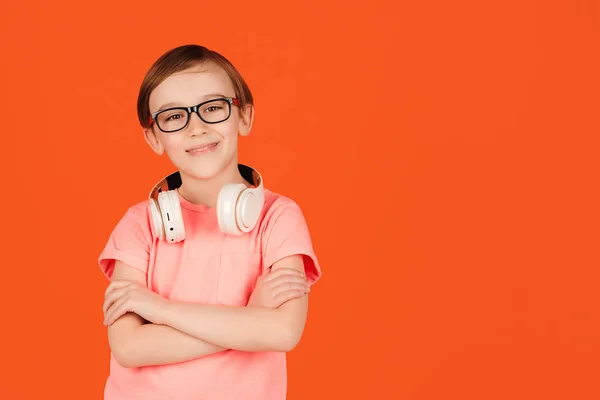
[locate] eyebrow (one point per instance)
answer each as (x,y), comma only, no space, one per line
(176,103)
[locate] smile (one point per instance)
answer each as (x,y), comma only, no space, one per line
(203,149)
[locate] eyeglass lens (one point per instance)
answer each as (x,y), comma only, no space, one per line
(177,118)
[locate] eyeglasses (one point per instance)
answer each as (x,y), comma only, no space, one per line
(211,112)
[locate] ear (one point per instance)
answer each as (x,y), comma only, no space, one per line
(246,120)
(153,141)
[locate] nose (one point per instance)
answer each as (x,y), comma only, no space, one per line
(196,126)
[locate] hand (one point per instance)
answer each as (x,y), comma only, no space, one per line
(124,296)
(275,288)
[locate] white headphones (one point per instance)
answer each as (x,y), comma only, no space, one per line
(238,206)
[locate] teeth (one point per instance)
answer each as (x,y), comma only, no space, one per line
(202,148)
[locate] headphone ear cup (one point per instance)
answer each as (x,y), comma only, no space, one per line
(171,216)
(155,220)
(249,206)
(227,207)
(178,217)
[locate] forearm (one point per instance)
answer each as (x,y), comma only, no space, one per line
(151,344)
(238,328)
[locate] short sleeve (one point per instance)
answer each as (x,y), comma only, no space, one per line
(287,234)
(129,242)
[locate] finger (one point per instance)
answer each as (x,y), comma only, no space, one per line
(119,308)
(115,285)
(289,286)
(287,279)
(265,272)
(115,307)
(291,270)
(114,296)
(281,270)
(116,293)
(284,271)
(286,296)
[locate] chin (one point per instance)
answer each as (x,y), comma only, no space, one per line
(203,170)
(204,167)
(201,173)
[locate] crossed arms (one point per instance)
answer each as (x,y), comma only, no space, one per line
(145,329)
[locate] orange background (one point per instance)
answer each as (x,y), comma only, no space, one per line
(445,155)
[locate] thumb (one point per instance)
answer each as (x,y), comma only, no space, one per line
(266,271)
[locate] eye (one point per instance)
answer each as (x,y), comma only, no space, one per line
(172,116)
(212,108)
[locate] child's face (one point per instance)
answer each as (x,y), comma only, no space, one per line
(189,88)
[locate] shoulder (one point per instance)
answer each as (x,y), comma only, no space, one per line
(136,216)
(281,216)
(286,233)
(139,211)
(277,205)
(129,241)
(134,223)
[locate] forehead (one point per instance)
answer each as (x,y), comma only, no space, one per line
(191,86)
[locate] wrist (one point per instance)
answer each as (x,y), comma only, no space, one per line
(165,312)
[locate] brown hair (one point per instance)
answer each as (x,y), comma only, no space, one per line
(182,58)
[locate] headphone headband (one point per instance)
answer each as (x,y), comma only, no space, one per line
(173,181)
(238,207)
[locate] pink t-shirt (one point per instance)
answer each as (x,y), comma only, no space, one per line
(208,267)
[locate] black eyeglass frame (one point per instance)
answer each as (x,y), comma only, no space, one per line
(194,109)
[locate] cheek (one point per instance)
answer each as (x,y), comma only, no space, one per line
(172,143)
(230,131)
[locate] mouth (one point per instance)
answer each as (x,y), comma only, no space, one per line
(202,148)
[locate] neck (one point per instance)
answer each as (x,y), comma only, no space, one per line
(206,191)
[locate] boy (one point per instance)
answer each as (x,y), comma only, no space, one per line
(209,316)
